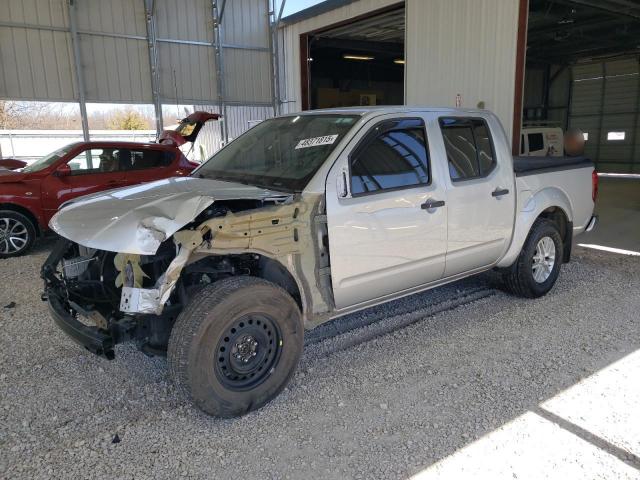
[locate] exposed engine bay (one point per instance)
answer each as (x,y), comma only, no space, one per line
(121,296)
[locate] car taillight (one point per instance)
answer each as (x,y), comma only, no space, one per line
(594,185)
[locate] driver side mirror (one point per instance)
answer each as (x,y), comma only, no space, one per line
(63,170)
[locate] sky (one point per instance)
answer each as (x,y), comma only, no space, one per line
(293,6)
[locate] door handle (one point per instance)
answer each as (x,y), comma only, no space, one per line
(429,204)
(498,192)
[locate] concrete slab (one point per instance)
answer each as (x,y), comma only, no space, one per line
(618,207)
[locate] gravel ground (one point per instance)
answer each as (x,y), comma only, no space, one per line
(383,401)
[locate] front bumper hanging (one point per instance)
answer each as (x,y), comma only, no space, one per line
(92,338)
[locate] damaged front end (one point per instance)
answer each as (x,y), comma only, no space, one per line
(83,299)
(131,283)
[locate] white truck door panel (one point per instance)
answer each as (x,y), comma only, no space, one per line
(384,240)
(480,195)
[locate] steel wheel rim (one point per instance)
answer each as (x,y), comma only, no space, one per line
(544,259)
(14,235)
(248,352)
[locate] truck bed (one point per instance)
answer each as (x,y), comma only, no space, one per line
(534,165)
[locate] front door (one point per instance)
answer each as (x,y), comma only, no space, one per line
(386,214)
(92,171)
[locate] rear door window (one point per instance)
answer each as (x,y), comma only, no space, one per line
(145,159)
(469,147)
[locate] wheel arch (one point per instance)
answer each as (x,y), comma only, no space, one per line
(24,211)
(275,272)
(559,218)
(550,203)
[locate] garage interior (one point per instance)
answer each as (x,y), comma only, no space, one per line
(359,63)
(583,71)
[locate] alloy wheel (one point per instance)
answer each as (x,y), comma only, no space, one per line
(544,259)
(14,235)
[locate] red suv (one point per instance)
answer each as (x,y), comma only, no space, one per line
(30,197)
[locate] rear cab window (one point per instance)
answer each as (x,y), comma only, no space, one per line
(469,147)
(393,155)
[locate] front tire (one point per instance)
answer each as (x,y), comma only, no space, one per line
(17,234)
(538,265)
(236,345)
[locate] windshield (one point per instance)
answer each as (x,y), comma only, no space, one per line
(281,153)
(49,160)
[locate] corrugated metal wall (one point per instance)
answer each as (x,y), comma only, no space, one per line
(37,57)
(605,98)
(465,47)
(37,62)
(241,118)
(115,69)
(114,38)
(247,58)
(185,51)
(290,91)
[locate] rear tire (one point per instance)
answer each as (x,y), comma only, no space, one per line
(537,268)
(236,345)
(17,234)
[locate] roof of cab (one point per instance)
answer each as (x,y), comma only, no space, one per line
(382,109)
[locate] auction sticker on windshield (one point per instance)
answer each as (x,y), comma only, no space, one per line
(316,141)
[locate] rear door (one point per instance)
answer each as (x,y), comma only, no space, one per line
(148,164)
(480,193)
(92,170)
(387,228)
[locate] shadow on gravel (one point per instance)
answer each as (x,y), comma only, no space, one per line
(422,393)
(43,245)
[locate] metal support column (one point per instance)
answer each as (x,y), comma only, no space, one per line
(217,44)
(271,22)
(150,13)
(274,45)
(73,25)
(601,136)
(635,138)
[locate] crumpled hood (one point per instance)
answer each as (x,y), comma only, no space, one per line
(138,219)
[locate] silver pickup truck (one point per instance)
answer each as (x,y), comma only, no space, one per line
(302,219)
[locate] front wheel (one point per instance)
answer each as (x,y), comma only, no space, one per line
(17,234)
(235,345)
(538,266)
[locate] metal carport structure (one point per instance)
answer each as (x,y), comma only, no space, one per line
(214,53)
